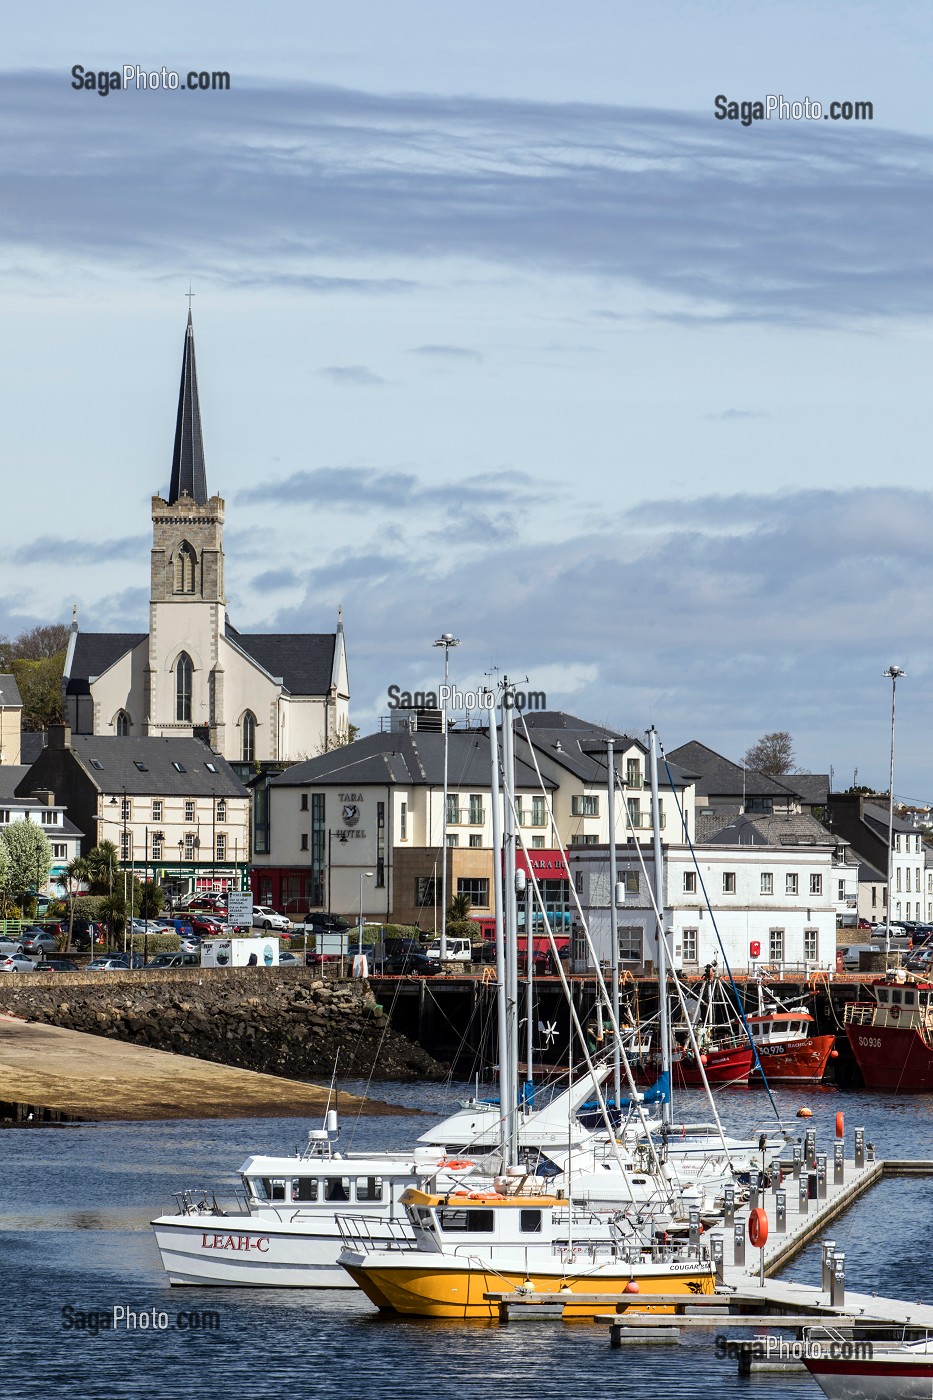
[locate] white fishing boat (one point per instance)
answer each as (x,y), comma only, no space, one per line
(860,1370)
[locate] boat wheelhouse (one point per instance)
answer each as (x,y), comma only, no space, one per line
(892,1035)
(787,1046)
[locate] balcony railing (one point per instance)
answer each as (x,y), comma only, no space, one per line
(643,819)
(466,816)
(532,818)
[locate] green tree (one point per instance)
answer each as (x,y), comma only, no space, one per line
(40,685)
(459,907)
(103,868)
(30,855)
(773,754)
(73,878)
(151,900)
(4,876)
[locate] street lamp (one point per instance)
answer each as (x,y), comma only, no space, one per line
(365,875)
(893,673)
(445,640)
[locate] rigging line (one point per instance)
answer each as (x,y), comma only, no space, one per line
(672,971)
(735,991)
(600,981)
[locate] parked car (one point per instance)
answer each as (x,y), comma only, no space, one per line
(83,931)
(920,961)
(287,959)
(191,943)
(8,946)
(55,965)
(179,959)
(16,962)
(206,927)
(851,956)
(411,965)
(266,917)
(116,962)
(38,941)
(316,922)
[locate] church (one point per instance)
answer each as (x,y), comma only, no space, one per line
(257,698)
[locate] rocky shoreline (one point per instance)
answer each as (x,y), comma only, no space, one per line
(296,1026)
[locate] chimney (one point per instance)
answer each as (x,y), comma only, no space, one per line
(44,796)
(59,736)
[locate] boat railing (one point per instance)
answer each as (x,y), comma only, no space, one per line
(858,1013)
(203,1201)
(874,1332)
(368,1233)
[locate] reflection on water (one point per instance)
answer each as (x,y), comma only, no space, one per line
(75,1233)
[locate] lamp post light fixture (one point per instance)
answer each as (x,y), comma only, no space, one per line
(893,674)
(365,875)
(445,640)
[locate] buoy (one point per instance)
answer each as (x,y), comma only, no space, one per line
(704,1059)
(758,1227)
(805,1113)
(632,1287)
(834,1054)
(840,1125)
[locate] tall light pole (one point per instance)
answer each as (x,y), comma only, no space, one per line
(892,674)
(445,640)
(365,875)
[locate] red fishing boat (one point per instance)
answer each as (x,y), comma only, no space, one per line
(892,1036)
(787,1048)
(725,1051)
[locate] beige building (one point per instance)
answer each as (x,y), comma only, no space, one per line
(257,698)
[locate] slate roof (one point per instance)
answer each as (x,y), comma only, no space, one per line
(30,747)
(563,738)
(410,759)
(719,776)
(118,759)
(11,775)
(868,875)
(188,473)
(10,697)
(304,660)
(813,788)
(94,652)
(876,818)
(797,829)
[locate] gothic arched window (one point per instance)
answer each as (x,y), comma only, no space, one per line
(183,688)
(123,724)
(249,737)
(184,569)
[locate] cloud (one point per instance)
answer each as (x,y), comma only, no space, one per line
(797,223)
(68,553)
(447,352)
(733,415)
(357,375)
(368,488)
(275,579)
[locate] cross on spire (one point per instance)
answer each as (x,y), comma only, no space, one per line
(189,294)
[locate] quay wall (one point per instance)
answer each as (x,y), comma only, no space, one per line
(290,1023)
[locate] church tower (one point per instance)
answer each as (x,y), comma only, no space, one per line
(184,676)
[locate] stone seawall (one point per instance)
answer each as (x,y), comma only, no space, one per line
(288,1023)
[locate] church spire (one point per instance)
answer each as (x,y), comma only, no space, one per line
(188,474)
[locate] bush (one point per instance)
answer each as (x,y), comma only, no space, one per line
(89,906)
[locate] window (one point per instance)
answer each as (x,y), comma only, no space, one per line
(810,944)
(759,804)
(179,767)
(840,889)
(248,727)
(690,945)
(369,1188)
(475,1222)
(907,879)
(529,1222)
(189,811)
(156,809)
(403,822)
(221,844)
(728,882)
(634,812)
(791,883)
(96,763)
(211,767)
(767,882)
(304,840)
(425,891)
(585,805)
(304,1188)
(183,676)
(898,879)
(222,810)
(475,889)
(380,871)
(337,1188)
(630,944)
(158,841)
(189,845)
(690,882)
(59,852)
(453,838)
(631,882)
(776,945)
(453,809)
(123,724)
(140,766)
(304,802)
(477,816)
(184,569)
(537,843)
(816,884)
(126,810)
(538,811)
(126,845)
(476,839)
(578,840)
(633,772)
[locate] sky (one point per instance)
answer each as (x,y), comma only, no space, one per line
(501,332)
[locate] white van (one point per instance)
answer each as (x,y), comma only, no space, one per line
(458,949)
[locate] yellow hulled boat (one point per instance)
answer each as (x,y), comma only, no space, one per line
(467,1245)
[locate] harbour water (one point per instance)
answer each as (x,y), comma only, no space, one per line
(74,1233)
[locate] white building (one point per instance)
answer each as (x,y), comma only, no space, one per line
(42,809)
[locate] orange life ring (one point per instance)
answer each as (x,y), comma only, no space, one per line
(454,1165)
(485,1196)
(758,1227)
(458,1193)
(895,1012)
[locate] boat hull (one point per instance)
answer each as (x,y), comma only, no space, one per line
(794,1061)
(729,1065)
(883,1378)
(450,1288)
(894,1060)
(235,1253)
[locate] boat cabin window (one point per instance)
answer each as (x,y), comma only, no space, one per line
(895,996)
(530,1222)
(908,998)
(336,1188)
(369,1188)
(476,1222)
(257,1186)
(424,1219)
(277,1188)
(305,1188)
(881,994)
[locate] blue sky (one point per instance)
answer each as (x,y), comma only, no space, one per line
(499,332)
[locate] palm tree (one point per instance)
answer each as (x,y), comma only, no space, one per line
(459,907)
(102,861)
(74,875)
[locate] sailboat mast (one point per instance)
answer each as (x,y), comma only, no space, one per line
(667,1108)
(613,922)
(530,991)
(505,1098)
(511,905)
